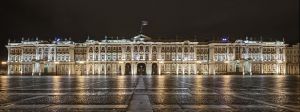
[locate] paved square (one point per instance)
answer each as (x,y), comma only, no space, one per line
(150,93)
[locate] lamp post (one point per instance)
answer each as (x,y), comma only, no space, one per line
(3,63)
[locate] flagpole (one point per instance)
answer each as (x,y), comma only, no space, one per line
(143,23)
(141,30)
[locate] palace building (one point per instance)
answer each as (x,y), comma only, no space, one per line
(142,56)
(292,57)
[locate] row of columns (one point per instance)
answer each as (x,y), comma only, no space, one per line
(119,68)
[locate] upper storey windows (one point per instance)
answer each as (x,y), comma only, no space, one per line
(141,48)
(128,49)
(62,50)
(154,49)
(135,49)
(91,49)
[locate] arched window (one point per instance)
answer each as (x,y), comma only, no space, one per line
(179,49)
(135,48)
(141,48)
(128,49)
(97,49)
(91,49)
(185,49)
(120,49)
(154,49)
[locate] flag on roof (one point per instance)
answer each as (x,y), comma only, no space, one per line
(144,23)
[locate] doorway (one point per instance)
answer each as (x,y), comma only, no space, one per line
(127,69)
(154,69)
(141,69)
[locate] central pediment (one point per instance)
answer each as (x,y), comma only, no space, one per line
(141,37)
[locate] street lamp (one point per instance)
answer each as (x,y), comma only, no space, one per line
(1,66)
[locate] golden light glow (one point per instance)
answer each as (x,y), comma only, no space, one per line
(81,62)
(3,62)
(280,88)
(198,82)
(80,88)
(56,87)
(198,61)
(56,83)
(161,89)
(121,81)
(4,85)
(4,82)
(198,87)
(227,89)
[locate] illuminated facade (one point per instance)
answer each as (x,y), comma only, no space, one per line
(292,57)
(141,56)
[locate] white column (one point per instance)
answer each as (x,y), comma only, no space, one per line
(132,54)
(105,60)
(93,68)
(159,68)
(123,69)
(8,52)
(33,68)
(250,67)
(284,69)
(42,56)
(277,68)
(243,67)
(189,68)
(150,54)
(134,69)
(227,53)
(8,68)
(144,53)
(87,68)
(176,68)
(233,50)
(182,68)
(55,53)
(212,61)
(195,69)
(149,68)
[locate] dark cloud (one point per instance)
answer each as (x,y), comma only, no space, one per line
(204,18)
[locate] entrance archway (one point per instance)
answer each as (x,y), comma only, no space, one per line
(237,68)
(108,72)
(154,69)
(141,69)
(46,70)
(127,69)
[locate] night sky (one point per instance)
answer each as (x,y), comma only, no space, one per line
(200,20)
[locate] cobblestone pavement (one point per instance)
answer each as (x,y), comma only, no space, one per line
(150,93)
